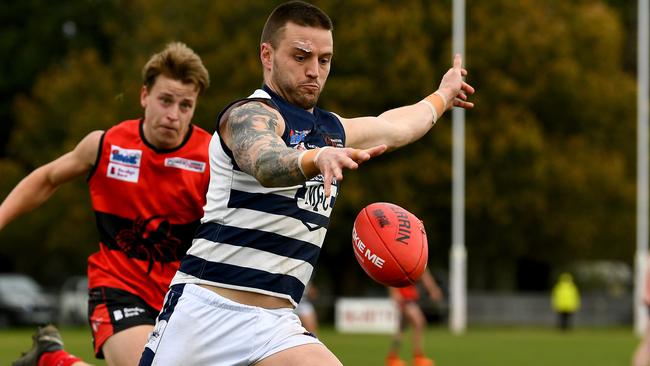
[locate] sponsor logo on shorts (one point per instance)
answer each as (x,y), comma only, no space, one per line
(123,313)
(124,164)
(154,337)
(96,323)
(187,164)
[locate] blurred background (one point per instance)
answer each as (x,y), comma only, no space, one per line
(550,147)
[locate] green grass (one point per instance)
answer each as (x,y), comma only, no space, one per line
(498,347)
(478,347)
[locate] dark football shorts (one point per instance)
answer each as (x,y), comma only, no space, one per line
(112,310)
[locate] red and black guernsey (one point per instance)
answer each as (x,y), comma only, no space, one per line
(148,203)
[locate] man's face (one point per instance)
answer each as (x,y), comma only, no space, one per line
(168,110)
(299,65)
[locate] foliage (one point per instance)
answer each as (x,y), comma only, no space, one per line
(550,163)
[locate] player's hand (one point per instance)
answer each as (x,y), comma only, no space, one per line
(332,161)
(454,88)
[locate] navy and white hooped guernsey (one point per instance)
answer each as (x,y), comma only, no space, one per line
(259,239)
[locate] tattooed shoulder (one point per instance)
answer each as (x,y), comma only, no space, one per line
(258,148)
(253,114)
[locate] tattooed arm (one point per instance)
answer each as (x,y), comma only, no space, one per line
(252,131)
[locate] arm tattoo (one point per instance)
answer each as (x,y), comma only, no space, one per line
(257,148)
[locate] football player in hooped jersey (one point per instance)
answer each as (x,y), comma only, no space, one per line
(279,159)
(147,180)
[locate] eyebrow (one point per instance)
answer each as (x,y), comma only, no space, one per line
(328,54)
(175,96)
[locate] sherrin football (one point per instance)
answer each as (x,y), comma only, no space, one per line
(390,244)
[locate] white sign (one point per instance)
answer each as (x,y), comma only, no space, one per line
(366,315)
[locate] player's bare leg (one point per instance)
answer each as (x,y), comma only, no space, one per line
(125,347)
(415,316)
(305,355)
(393,354)
(47,344)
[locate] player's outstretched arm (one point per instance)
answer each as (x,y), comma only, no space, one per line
(252,132)
(39,185)
(431,285)
(401,126)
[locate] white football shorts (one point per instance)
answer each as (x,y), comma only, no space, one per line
(198,327)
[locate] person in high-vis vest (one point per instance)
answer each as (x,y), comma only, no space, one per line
(565,300)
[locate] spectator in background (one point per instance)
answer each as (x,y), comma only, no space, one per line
(565,299)
(642,353)
(406,299)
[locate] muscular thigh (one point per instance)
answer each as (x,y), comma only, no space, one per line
(306,355)
(125,348)
(116,315)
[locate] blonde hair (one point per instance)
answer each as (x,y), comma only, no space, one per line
(178,62)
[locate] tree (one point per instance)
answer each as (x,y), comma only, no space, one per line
(549,164)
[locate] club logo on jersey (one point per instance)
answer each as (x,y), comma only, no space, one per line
(124,164)
(152,240)
(187,164)
(296,137)
(311,196)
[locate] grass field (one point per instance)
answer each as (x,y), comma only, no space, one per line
(478,347)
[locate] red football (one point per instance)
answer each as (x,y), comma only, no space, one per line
(390,244)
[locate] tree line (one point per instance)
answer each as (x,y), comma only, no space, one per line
(550,146)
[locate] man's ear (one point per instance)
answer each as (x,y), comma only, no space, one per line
(266,55)
(143,96)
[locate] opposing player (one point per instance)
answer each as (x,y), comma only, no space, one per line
(280,160)
(147,180)
(411,313)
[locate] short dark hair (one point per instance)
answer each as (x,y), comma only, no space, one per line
(178,62)
(297,12)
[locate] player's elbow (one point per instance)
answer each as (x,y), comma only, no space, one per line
(264,178)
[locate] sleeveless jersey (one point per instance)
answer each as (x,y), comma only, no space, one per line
(148,204)
(260,239)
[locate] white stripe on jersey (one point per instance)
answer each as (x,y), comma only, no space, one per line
(249,257)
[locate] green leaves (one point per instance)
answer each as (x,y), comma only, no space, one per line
(550,146)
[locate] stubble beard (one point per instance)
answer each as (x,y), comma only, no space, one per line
(293,94)
(305,100)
